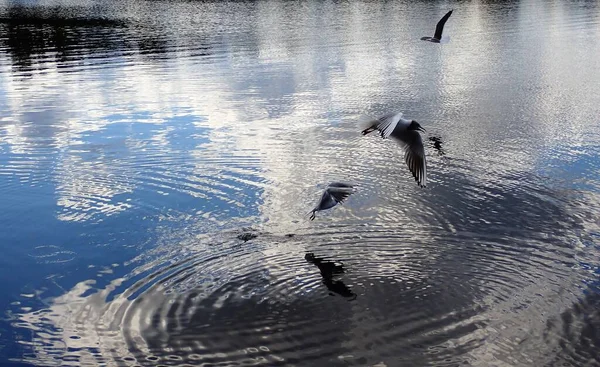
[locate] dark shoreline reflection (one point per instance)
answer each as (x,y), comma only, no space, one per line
(328,270)
(36,38)
(39,38)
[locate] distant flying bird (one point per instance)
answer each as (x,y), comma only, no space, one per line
(439,28)
(335,193)
(407,132)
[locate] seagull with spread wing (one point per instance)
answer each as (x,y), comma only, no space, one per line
(334,194)
(439,28)
(407,133)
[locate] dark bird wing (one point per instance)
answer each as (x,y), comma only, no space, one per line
(340,184)
(440,26)
(335,193)
(339,194)
(414,155)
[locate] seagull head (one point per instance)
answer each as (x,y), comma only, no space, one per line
(415,126)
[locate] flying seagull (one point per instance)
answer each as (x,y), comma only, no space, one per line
(335,193)
(407,132)
(439,28)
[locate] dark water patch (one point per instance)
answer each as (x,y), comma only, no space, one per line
(435,296)
(39,39)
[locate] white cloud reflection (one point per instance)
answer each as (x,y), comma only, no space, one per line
(273,104)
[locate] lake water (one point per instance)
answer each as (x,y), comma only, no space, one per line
(158,161)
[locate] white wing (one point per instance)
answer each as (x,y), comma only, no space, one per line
(388,123)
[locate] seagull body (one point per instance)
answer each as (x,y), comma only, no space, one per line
(439,28)
(407,133)
(334,194)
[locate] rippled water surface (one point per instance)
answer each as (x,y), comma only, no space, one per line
(158,161)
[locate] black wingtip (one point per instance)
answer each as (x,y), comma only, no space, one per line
(368,130)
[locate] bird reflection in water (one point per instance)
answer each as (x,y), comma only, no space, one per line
(328,269)
(437,144)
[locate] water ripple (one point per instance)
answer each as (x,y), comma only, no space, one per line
(148,130)
(273,301)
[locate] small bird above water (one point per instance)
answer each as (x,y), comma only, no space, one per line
(407,133)
(439,28)
(335,193)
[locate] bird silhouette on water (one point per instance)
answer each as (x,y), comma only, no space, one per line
(407,133)
(437,144)
(328,269)
(439,28)
(335,193)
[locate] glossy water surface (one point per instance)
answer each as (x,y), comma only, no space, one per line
(158,160)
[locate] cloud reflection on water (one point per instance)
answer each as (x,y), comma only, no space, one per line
(245,118)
